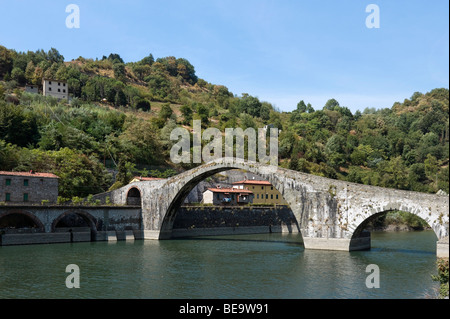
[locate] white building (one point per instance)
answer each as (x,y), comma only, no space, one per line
(58,89)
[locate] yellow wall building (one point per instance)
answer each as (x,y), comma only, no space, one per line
(263,192)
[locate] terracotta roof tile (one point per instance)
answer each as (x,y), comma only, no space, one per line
(29,174)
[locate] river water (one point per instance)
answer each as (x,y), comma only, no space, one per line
(272,266)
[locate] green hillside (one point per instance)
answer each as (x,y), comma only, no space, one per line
(121,114)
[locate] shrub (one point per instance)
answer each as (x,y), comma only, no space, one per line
(442,277)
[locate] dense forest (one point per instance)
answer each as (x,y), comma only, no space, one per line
(118,122)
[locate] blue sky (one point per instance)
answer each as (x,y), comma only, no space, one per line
(281,51)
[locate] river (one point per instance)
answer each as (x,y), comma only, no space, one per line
(272,266)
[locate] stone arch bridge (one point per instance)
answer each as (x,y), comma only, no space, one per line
(330,214)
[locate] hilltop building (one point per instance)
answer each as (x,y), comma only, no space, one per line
(57,89)
(28,187)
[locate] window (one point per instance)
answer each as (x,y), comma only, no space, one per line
(25,197)
(59,90)
(59,84)
(267,196)
(64,84)
(271,196)
(64,90)
(262,187)
(277,196)
(8,181)
(257,196)
(25,182)
(7,197)
(49,89)
(218,196)
(271,188)
(50,82)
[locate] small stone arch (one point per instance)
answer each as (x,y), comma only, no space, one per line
(39,225)
(134,197)
(88,218)
(412,209)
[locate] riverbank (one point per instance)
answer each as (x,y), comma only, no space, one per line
(396,221)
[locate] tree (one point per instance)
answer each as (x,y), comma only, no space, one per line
(266,108)
(115,58)
(247,121)
(394,173)
(186,70)
(186,110)
(166,112)
(54,56)
(431,167)
(17,126)
(250,105)
(331,105)
(141,70)
(29,72)
(301,107)
(143,104)
(120,99)
(119,71)
(18,75)
(141,143)
(361,155)
(203,112)
(148,60)
(6,61)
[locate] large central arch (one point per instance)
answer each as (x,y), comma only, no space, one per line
(178,200)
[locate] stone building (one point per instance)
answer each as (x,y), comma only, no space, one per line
(58,89)
(31,88)
(28,187)
(227,196)
(263,191)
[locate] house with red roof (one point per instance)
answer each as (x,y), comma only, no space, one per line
(28,187)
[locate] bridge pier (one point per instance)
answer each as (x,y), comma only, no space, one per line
(442,248)
(340,244)
(155,235)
